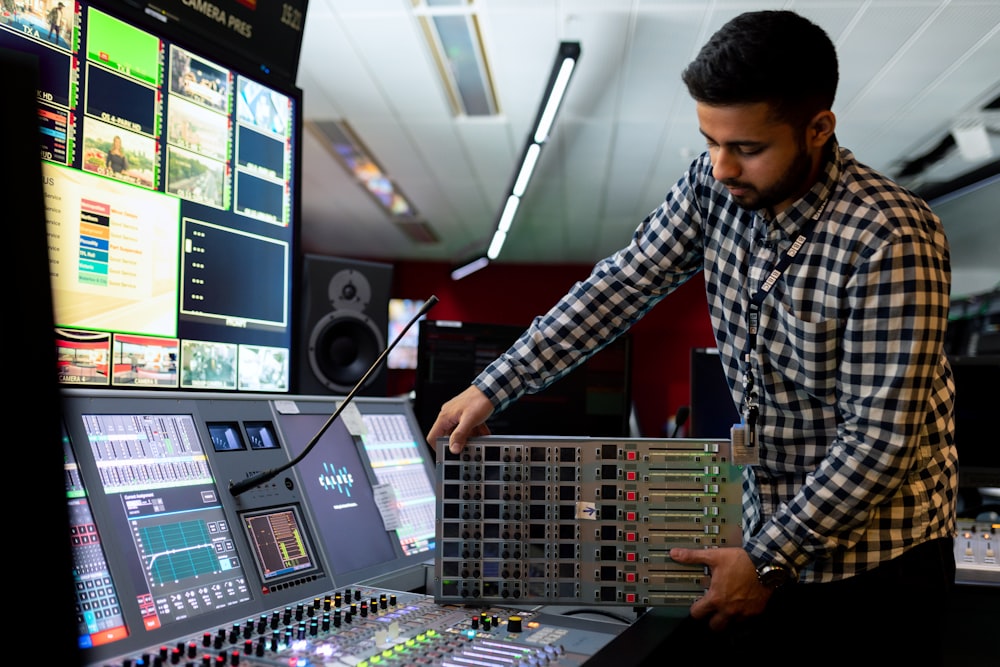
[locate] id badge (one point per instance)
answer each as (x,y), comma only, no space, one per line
(744,441)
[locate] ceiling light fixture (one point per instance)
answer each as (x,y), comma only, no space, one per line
(566,58)
(347,149)
(451,29)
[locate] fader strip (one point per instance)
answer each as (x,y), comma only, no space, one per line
(562,520)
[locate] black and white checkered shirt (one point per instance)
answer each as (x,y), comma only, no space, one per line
(856,433)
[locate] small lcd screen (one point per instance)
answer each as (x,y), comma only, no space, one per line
(261,435)
(280,544)
(226,436)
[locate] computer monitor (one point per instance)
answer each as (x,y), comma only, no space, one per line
(593,400)
(170,176)
(976,381)
(713,412)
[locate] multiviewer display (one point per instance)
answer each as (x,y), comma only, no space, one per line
(169,183)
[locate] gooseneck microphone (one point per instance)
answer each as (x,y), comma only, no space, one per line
(236,488)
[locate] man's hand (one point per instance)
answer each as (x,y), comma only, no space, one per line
(734,593)
(461,418)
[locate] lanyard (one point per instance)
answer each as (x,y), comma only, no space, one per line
(751,409)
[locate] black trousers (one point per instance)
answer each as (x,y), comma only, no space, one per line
(896,614)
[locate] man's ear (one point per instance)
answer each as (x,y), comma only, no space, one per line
(821,128)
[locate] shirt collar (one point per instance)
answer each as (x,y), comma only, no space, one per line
(791,219)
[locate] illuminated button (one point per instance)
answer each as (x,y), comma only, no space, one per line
(630,495)
(630,456)
(630,476)
(630,577)
(630,516)
(630,557)
(630,597)
(630,537)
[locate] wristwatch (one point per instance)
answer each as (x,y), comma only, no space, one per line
(772,576)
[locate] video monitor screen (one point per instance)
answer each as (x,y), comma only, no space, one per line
(976,381)
(166,513)
(225,436)
(280,542)
(261,435)
(401,313)
(170,184)
(98,609)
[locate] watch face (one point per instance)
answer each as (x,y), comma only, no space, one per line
(772,576)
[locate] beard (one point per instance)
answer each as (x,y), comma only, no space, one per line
(790,185)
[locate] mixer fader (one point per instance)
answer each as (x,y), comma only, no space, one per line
(363,626)
(563,520)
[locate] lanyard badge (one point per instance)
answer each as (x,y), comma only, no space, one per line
(744,435)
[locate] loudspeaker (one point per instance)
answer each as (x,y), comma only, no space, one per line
(345,315)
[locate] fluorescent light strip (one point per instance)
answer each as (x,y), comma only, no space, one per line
(499,236)
(471,267)
(527,168)
(555,98)
(507,217)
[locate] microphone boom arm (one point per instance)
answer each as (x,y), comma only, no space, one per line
(236,488)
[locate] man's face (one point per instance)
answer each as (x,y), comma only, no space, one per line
(764,163)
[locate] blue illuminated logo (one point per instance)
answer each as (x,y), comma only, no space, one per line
(336,479)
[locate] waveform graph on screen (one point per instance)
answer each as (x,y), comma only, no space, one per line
(176,551)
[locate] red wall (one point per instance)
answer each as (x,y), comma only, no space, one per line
(514,294)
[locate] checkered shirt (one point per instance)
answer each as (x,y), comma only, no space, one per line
(856,434)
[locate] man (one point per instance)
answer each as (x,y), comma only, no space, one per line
(55,22)
(828,289)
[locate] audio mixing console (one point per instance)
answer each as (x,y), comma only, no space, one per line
(364,626)
(977,552)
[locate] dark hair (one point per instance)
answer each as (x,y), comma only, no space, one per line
(778,57)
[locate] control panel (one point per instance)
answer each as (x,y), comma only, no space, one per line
(363,626)
(977,548)
(582,520)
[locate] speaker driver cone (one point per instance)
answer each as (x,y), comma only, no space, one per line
(342,347)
